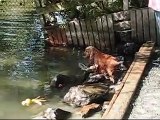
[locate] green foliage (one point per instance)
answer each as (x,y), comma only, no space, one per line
(115,6)
(89,9)
(92,8)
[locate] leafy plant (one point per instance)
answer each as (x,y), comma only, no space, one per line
(88,9)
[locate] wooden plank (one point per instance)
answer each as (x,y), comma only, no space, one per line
(89,32)
(79,33)
(84,33)
(145,24)
(65,35)
(133,24)
(102,34)
(73,33)
(111,31)
(125,4)
(76,29)
(58,36)
(106,33)
(98,35)
(139,25)
(93,33)
(61,35)
(152,26)
(121,103)
(69,34)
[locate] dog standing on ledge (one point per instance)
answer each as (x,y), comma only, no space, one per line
(101,63)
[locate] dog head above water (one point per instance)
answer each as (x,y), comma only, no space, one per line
(59,81)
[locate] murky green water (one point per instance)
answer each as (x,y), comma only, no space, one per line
(24,64)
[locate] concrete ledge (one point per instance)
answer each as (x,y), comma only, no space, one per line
(122,98)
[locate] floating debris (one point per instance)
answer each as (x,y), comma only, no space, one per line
(36,100)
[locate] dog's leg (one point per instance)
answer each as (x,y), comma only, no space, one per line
(92,68)
(111,77)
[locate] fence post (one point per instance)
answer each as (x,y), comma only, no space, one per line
(125,5)
(43,16)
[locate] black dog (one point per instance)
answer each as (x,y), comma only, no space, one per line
(61,81)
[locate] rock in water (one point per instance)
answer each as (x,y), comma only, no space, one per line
(56,114)
(85,94)
(51,114)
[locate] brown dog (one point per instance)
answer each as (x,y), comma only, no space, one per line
(106,64)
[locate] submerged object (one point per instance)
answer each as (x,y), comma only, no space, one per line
(36,100)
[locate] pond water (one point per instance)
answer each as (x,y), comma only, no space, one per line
(24,63)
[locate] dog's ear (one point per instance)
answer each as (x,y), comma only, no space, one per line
(92,53)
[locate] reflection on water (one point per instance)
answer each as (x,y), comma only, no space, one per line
(24,64)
